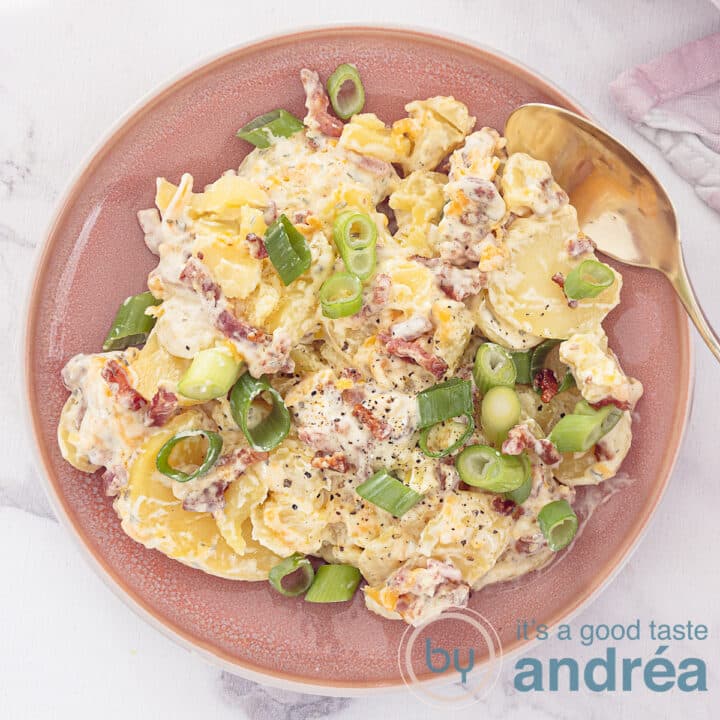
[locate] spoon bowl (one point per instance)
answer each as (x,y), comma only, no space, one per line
(621,205)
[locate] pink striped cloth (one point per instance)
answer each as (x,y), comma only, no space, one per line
(674,101)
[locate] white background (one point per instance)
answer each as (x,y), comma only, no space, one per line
(69,648)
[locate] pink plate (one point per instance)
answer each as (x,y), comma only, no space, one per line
(94,257)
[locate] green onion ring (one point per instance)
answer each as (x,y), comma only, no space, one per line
(333,583)
(287,249)
(558,524)
(484,467)
(425,433)
(211,374)
(444,401)
(290,566)
(493,367)
(521,360)
(341,295)
(346,106)
(162,462)
(521,494)
(263,129)
(499,411)
(388,493)
(355,235)
(131,325)
(273,429)
(588,280)
(579,431)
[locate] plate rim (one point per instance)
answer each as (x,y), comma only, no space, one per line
(43,464)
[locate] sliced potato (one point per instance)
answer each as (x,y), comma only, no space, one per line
(523,292)
(496,329)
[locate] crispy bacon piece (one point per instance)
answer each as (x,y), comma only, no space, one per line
(353,395)
(619,404)
(332,461)
(527,545)
(379,296)
(242,458)
(602,452)
(580,245)
(559,279)
(236,329)
(457,283)
(373,165)
(521,438)
(547,383)
(379,429)
(257,246)
(209,499)
(116,377)
(351,373)
(195,276)
(114,479)
(502,505)
(414,352)
(162,407)
(316,102)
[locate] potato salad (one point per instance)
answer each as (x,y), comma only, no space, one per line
(370,359)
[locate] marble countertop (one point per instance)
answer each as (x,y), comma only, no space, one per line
(70,648)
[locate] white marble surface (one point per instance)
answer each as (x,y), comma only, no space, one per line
(67,70)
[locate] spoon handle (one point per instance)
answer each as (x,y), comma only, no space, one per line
(681,282)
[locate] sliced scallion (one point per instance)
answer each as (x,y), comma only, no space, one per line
(333,583)
(265,128)
(162,462)
(388,493)
(493,367)
(346,100)
(558,524)
(521,360)
(579,431)
(211,374)
(341,295)
(499,411)
(274,427)
(293,576)
(521,494)
(484,467)
(588,280)
(131,325)
(287,249)
(539,355)
(441,402)
(355,236)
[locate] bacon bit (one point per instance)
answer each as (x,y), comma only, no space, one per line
(559,279)
(580,245)
(316,102)
(413,352)
(502,505)
(619,404)
(351,374)
(114,479)
(518,512)
(456,282)
(116,377)
(373,165)
(236,329)
(389,213)
(379,429)
(333,461)
(257,246)
(447,475)
(353,395)
(195,276)
(243,458)
(380,294)
(521,438)
(162,407)
(602,452)
(526,546)
(547,383)
(209,499)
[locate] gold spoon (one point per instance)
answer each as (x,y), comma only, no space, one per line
(620,203)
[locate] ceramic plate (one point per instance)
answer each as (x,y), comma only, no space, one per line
(94,257)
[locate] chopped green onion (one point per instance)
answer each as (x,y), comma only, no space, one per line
(499,411)
(344,103)
(484,467)
(287,249)
(355,236)
(588,280)
(388,493)
(296,565)
(521,360)
(445,400)
(494,367)
(521,494)
(131,325)
(558,523)
(211,374)
(539,355)
(214,448)
(264,129)
(579,431)
(274,427)
(341,295)
(567,382)
(333,583)
(441,402)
